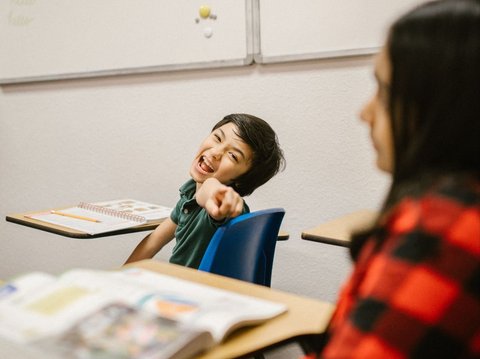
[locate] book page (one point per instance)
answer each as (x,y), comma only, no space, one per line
(37,305)
(64,318)
(91,223)
(120,331)
(150,211)
(43,307)
(216,310)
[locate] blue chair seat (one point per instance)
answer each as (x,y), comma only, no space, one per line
(244,247)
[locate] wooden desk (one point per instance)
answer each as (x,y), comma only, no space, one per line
(305,319)
(282,236)
(72,233)
(339,230)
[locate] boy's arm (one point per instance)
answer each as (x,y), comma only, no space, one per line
(220,201)
(155,241)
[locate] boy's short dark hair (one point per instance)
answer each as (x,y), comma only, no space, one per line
(268,157)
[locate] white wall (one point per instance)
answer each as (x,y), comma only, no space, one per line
(135,136)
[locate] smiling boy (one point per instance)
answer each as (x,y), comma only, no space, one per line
(240,154)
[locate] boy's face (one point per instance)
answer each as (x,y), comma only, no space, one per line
(222,155)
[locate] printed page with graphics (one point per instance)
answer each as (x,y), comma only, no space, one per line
(130,313)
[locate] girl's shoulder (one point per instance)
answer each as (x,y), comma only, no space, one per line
(448,211)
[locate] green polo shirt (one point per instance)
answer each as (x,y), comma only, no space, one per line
(195,227)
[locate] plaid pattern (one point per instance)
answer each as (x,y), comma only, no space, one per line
(415,293)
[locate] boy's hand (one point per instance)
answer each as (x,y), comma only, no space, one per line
(220,201)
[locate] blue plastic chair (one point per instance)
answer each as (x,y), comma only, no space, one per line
(243,248)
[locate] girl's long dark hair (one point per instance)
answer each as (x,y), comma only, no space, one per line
(434,98)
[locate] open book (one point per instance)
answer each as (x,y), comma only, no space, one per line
(133,313)
(103,217)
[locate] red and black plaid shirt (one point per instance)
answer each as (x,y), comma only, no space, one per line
(416,292)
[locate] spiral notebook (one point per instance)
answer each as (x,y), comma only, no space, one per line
(103,217)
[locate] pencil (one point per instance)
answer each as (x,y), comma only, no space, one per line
(74,216)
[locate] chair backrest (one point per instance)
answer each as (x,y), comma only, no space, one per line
(243,248)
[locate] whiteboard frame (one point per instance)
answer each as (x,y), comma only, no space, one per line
(244,61)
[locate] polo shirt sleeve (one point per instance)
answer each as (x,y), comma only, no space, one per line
(175,214)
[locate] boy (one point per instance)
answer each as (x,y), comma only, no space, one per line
(240,154)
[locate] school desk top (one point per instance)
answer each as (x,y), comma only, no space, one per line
(339,230)
(72,233)
(21,219)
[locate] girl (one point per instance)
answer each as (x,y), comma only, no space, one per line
(415,288)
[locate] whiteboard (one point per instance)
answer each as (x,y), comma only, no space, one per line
(308,29)
(58,39)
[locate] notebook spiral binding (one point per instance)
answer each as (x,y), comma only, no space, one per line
(112,212)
